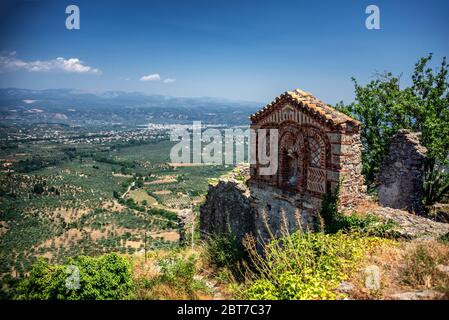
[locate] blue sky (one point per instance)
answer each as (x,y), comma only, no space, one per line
(247,49)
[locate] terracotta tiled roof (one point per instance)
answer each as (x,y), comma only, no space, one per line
(311,105)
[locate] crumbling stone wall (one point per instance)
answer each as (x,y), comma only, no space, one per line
(402,173)
(278,213)
(185,218)
(227,209)
(244,208)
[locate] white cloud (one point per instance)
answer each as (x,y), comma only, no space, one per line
(9,62)
(27,101)
(169,80)
(151,77)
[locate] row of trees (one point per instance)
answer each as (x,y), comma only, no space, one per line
(383,107)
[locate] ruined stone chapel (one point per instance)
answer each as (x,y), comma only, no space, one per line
(318,147)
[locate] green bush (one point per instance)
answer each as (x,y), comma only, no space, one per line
(105,277)
(179,271)
(445,237)
(38,188)
(304,265)
(176,280)
(368,225)
(335,221)
(329,211)
(170,215)
(227,251)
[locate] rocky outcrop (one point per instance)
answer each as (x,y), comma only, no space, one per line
(227,209)
(402,173)
(185,218)
(411,226)
(418,295)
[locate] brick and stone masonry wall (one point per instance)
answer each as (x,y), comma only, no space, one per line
(402,173)
(346,167)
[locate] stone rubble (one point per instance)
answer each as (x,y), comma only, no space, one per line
(411,226)
(418,295)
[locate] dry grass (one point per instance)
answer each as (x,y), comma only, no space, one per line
(421,263)
(163,180)
(166,235)
(70,215)
(406,266)
(4,227)
(365,207)
(139,195)
(162,192)
(112,205)
(121,175)
(147,276)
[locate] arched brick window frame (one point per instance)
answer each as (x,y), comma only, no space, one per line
(318,157)
(291,153)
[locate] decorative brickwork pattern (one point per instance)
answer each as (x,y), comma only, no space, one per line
(318,147)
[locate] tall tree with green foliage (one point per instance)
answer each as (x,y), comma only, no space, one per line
(383,107)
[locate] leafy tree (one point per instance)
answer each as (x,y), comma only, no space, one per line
(383,108)
(139,183)
(38,188)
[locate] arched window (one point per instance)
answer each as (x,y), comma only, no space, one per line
(291,159)
(316,162)
(314,153)
(292,174)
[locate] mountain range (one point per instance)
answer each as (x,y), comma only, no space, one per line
(75,107)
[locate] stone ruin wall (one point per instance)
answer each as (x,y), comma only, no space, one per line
(402,173)
(233,206)
(346,167)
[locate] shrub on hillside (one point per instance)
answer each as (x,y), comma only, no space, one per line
(227,251)
(174,280)
(170,215)
(422,267)
(335,221)
(304,265)
(105,277)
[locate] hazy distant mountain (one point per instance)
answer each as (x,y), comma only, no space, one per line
(84,108)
